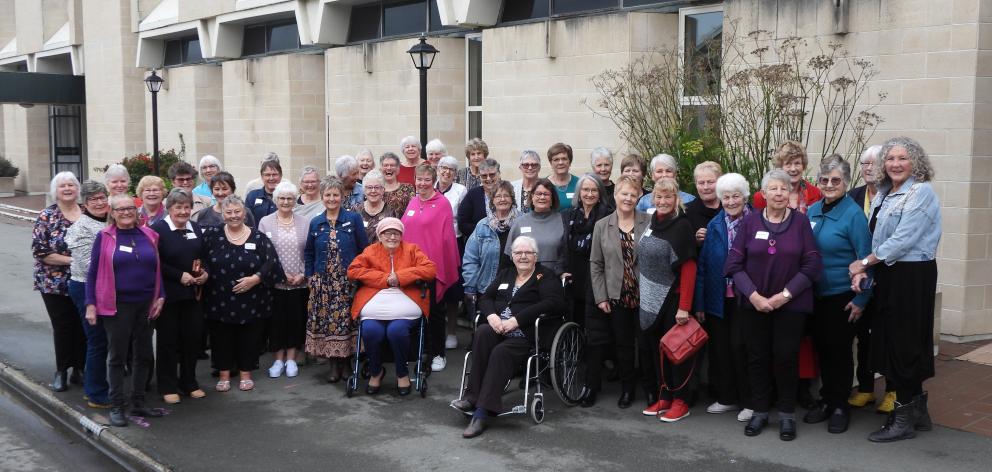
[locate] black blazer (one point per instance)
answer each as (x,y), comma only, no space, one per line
(471,210)
(176,253)
(858,194)
(541,294)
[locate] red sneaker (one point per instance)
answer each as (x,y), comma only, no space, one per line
(659,406)
(678,411)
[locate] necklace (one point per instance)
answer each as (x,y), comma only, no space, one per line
(772,234)
(283,222)
(236,239)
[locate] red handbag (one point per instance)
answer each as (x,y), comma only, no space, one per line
(680,343)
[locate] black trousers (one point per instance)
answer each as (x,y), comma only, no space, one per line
(235,347)
(772,340)
(674,375)
(728,356)
(288,325)
(129,327)
(623,323)
(178,334)
(833,337)
(67,332)
(494,360)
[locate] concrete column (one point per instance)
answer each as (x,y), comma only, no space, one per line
(25,139)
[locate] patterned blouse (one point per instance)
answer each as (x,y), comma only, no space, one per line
(289,241)
(629,296)
(400,197)
(370,221)
(48,237)
(465,177)
(226,263)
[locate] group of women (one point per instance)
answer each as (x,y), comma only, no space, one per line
(803,265)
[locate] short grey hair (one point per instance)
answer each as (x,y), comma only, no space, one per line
(870,154)
(665,160)
(177,196)
(530,155)
(524,240)
(449,162)
(489,164)
(309,170)
(435,145)
(285,187)
(410,140)
(365,152)
(60,178)
(922,169)
(374,174)
(120,197)
(600,153)
(90,188)
(577,198)
(207,160)
(730,183)
(116,170)
(344,165)
(389,155)
(329,183)
(834,162)
(776,174)
(271,157)
(230,201)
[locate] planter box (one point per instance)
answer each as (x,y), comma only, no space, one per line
(6,186)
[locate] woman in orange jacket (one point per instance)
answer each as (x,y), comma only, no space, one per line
(388,300)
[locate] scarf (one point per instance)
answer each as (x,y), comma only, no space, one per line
(673,230)
(734,224)
(579,228)
(502,226)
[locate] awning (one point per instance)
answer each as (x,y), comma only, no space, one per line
(34,87)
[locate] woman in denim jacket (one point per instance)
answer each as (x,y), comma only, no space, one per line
(905,222)
(484,249)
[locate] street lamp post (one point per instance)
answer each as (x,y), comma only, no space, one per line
(423,58)
(154,84)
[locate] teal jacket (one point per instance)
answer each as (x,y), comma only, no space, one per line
(842,236)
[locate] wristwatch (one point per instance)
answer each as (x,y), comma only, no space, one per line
(786,294)
(864,262)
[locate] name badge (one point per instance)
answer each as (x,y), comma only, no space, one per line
(346,223)
(651,211)
(258,201)
(411,213)
(126,248)
(268,234)
(503,286)
(570,195)
(365,223)
(761,235)
(190,235)
(524,230)
(647,232)
(250,246)
(812,224)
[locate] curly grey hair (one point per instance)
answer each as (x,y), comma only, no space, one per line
(922,169)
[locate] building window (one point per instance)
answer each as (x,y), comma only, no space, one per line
(575,6)
(364,23)
(404,18)
(520,10)
(435,20)
(701,43)
(270,37)
(473,89)
(639,3)
(183,51)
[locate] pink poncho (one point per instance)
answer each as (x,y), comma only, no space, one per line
(429,224)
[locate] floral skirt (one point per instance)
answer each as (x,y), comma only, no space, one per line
(331,332)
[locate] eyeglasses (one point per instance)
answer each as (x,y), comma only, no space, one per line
(541,195)
(182,179)
(390,235)
(865,164)
(488,176)
(835,181)
(271,175)
(129,209)
(209,166)
(445,169)
(530,165)
(524,253)
(501,196)
(286,199)
(96,199)
(374,188)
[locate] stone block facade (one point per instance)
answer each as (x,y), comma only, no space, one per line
(191,105)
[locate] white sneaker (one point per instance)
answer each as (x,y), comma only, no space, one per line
(291,369)
(437,365)
(718,407)
(276,370)
(745,415)
(451,342)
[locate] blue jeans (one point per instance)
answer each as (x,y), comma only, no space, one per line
(95,383)
(398,332)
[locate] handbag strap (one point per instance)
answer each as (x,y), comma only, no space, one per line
(664,384)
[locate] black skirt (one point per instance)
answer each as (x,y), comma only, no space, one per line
(902,326)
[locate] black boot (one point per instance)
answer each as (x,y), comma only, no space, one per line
(923,422)
(77,376)
(117,417)
(901,426)
(61,382)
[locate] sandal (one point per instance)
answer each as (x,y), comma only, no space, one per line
(246,385)
(223,385)
(197,393)
(171,398)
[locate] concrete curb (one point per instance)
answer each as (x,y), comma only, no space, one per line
(99,436)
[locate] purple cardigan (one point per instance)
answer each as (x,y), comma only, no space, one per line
(795,264)
(101,283)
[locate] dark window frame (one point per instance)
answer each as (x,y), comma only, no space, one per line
(266,32)
(183,43)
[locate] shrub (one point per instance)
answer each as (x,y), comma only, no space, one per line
(7,168)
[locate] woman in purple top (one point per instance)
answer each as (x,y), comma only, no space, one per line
(774,261)
(124,286)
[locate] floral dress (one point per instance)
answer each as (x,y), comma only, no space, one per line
(331,331)
(48,237)
(400,197)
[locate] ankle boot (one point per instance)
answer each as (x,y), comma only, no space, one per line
(923,422)
(902,421)
(61,381)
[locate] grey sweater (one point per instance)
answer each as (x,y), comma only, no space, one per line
(547,230)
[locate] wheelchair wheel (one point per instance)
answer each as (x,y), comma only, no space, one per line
(537,410)
(423,388)
(568,363)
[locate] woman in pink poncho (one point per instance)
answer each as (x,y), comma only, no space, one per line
(429,224)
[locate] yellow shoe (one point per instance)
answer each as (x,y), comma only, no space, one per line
(860,399)
(888,403)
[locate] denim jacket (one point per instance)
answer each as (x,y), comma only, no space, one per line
(351,238)
(357,196)
(908,226)
(481,260)
(646,201)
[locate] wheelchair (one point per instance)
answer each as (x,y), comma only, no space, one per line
(422,369)
(558,364)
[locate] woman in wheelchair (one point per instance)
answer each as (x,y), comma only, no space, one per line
(388,301)
(511,305)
